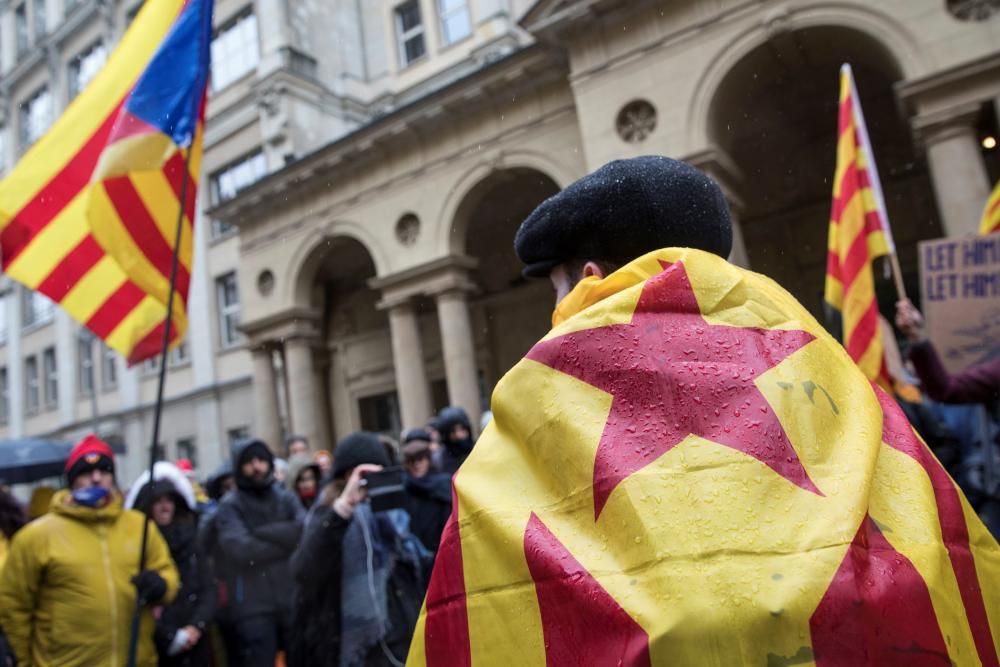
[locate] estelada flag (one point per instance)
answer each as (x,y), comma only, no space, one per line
(688,470)
(859,232)
(88,217)
(991,214)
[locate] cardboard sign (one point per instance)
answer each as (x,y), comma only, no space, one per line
(960,285)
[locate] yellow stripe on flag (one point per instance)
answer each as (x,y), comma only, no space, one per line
(991,213)
(93,289)
(52,244)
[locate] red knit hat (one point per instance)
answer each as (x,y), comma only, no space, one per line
(87,452)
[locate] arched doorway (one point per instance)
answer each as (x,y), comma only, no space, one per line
(510,313)
(353,357)
(775,114)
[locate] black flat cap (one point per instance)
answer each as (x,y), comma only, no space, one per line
(624,210)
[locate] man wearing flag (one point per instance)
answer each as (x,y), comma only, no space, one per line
(695,472)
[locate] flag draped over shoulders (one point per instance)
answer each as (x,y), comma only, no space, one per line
(88,215)
(689,470)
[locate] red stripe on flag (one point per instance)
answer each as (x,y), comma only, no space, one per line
(864,332)
(848,188)
(833,265)
(446,625)
(896,433)
(56,194)
(115,309)
(140,225)
(877,610)
(151,344)
(71,269)
(174,171)
(845,117)
(856,261)
(581,623)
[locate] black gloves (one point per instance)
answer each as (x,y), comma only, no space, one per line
(150,585)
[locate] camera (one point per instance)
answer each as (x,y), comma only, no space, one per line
(386,489)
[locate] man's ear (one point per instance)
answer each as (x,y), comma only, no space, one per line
(592,269)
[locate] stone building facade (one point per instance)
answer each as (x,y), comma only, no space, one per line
(368,161)
(379,267)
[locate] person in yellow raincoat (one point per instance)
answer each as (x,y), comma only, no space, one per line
(68,589)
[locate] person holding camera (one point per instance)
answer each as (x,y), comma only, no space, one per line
(359,574)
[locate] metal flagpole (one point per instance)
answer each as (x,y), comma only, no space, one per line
(876,184)
(158,409)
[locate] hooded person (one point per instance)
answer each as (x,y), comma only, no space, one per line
(70,585)
(359,575)
(217,485)
(181,626)
(456,437)
(303,479)
(258,526)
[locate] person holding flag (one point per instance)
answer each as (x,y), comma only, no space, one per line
(694,470)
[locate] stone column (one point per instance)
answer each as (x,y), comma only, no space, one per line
(303,395)
(408,360)
(957,169)
(459,352)
(265,394)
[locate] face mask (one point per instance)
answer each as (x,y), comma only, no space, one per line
(91,496)
(308,494)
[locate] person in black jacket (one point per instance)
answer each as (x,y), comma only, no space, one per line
(360,576)
(428,492)
(456,437)
(258,527)
(180,635)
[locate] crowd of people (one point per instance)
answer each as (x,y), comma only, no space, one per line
(270,561)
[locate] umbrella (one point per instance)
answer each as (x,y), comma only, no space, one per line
(30,459)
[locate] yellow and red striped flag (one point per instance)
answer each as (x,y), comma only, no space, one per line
(88,216)
(991,214)
(859,232)
(689,470)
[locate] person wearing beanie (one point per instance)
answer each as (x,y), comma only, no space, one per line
(258,527)
(70,584)
(171,501)
(428,491)
(456,437)
(359,575)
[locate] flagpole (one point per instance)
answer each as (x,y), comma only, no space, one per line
(161,382)
(876,184)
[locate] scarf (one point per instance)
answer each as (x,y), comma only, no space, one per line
(382,539)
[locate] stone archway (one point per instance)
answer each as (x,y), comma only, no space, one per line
(775,114)
(509,313)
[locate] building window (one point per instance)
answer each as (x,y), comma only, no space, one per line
(4,396)
(84,66)
(221,230)
(186,449)
(235,51)
(85,364)
(228,297)
(31,396)
(151,365)
(3,319)
(409,33)
(36,308)
(109,367)
(234,435)
(380,413)
(51,377)
(21,30)
(228,181)
(180,354)
(456,24)
(36,116)
(39,11)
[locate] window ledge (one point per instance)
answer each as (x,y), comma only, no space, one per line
(222,238)
(36,326)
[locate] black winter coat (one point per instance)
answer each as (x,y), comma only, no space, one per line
(428,501)
(195,601)
(258,530)
(316,568)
